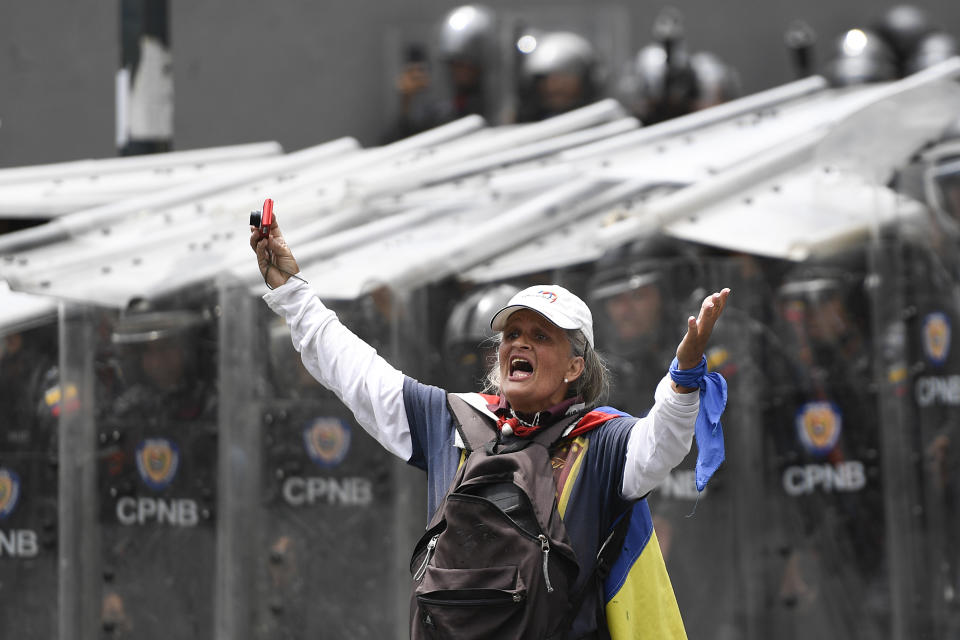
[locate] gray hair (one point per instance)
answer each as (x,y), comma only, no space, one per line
(593,384)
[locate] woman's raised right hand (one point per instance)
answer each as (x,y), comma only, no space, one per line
(274,257)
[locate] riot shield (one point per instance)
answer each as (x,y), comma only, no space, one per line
(924,373)
(930,383)
(142,473)
(824,462)
(641,295)
(32,402)
(330,517)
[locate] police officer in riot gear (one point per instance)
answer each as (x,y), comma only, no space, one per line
(635,313)
(162,365)
(559,72)
(157,473)
(903,27)
(467,42)
(660,83)
(901,42)
(633,295)
(933,48)
(824,473)
(664,80)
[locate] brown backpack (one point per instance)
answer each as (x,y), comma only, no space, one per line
(495,561)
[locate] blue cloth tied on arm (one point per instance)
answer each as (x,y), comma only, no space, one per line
(707,432)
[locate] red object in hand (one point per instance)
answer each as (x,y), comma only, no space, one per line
(263,219)
(266,218)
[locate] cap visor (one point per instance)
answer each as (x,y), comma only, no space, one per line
(499,320)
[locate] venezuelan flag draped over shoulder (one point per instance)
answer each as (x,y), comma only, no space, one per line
(640,599)
(640,603)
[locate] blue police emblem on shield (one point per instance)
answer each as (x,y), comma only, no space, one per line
(9,491)
(157,462)
(936,337)
(327,441)
(818,426)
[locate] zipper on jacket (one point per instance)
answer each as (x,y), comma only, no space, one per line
(426,558)
(545,548)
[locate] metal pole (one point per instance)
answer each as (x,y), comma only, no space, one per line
(145,78)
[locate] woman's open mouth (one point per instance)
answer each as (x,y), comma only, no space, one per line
(520,369)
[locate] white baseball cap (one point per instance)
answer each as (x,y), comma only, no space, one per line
(554,303)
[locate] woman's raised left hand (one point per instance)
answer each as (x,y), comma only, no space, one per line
(694,343)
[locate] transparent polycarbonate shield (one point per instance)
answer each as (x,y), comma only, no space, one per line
(641,295)
(324,518)
(142,472)
(827,458)
(31,402)
(924,372)
(927,376)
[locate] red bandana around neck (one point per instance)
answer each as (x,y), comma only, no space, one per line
(587,422)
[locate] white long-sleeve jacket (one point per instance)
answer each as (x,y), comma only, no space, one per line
(374,391)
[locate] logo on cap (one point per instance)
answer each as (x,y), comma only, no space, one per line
(327,441)
(157,462)
(819,425)
(9,491)
(936,337)
(550,296)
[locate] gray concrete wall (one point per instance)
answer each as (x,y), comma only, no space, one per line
(301,72)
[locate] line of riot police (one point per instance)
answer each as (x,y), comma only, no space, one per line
(510,69)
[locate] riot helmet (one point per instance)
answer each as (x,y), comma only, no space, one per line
(468,34)
(664,80)
(942,180)
(933,48)
(636,293)
(467,43)
(468,345)
(635,290)
(559,72)
(903,27)
(860,57)
(159,349)
(717,81)
(822,305)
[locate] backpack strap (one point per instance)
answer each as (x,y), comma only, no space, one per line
(477,429)
(606,557)
(474,427)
